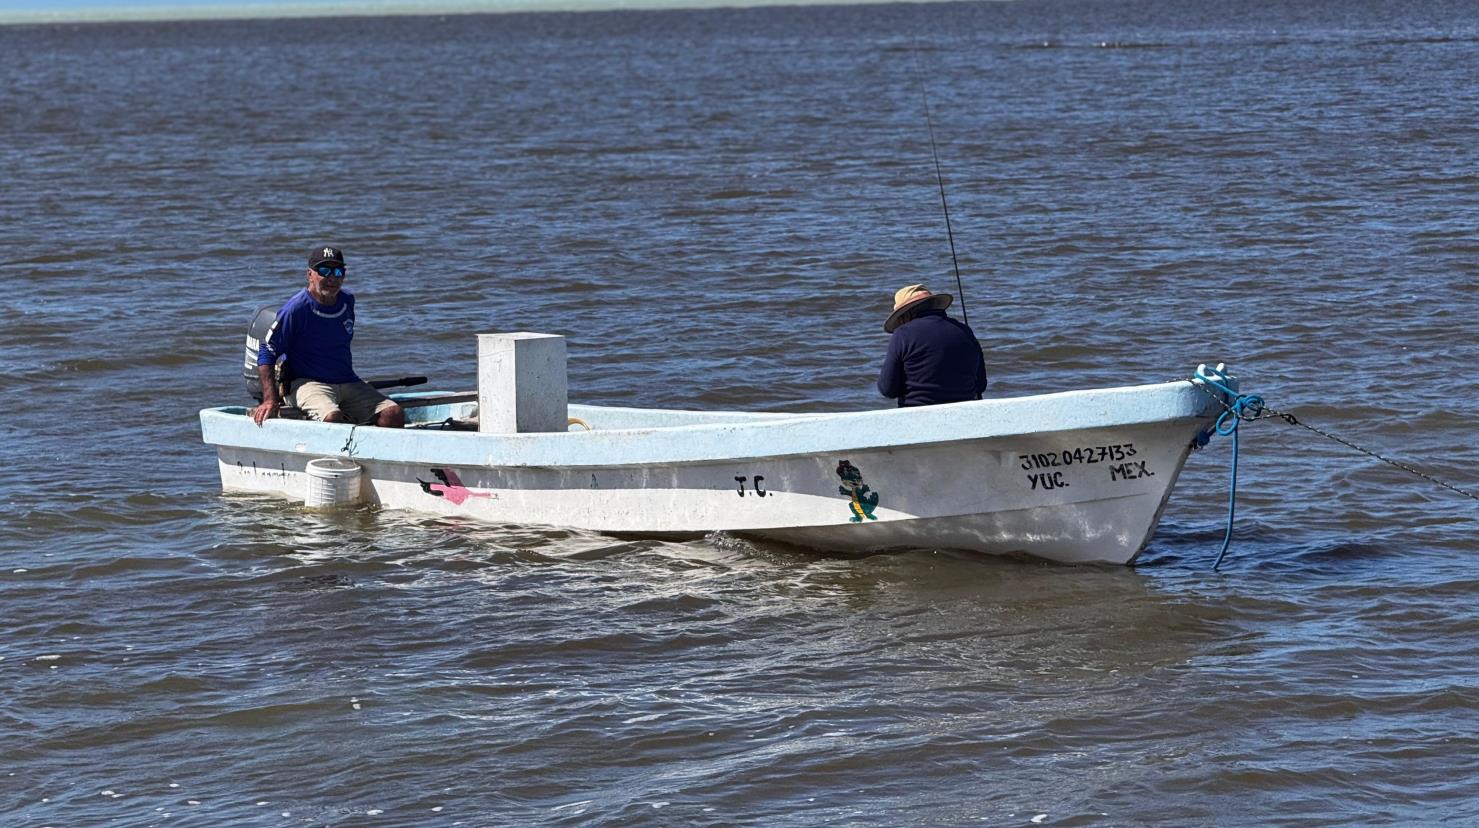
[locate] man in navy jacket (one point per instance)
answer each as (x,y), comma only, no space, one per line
(931,358)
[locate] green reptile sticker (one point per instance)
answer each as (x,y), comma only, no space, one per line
(862,500)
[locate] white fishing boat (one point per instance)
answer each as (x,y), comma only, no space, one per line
(1077,477)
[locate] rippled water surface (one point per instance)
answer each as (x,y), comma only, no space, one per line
(715,208)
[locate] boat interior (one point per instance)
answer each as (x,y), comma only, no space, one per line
(458,411)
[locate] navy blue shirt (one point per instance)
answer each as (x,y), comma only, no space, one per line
(933,359)
(315,339)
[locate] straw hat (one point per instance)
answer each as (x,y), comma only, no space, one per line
(912,298)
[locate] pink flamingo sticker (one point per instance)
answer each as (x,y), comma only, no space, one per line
(451,487)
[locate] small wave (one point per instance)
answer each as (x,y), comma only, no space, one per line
(728,195)
(604,551)
(126,565)
(554,152)
(1131,44)
(1420,40)
(1099,44)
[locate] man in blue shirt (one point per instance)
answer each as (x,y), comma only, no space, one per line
(931,358)
(312,331)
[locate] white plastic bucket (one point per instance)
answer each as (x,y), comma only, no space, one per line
(332,481)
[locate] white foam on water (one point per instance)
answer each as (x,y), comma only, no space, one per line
(19,571)
(105,793)
(47,657)
(374,812)
(263,802)
(192,802)
(1039,817)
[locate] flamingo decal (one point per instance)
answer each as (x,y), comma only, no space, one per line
(451,487)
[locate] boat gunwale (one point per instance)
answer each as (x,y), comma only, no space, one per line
(757,436)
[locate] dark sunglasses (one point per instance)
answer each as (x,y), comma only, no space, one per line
(326,271)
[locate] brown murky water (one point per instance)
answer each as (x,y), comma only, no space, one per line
(715,208)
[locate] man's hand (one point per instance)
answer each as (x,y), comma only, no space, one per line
(266,410)
(270,403)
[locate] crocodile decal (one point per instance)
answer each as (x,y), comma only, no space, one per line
(862,499)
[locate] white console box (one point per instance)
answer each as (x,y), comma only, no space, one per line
(522,384)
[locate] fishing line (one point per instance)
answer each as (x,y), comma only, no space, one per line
(939,177)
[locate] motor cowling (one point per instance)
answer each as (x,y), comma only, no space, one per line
(257,333)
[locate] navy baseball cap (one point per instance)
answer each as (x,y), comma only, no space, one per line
(326,254)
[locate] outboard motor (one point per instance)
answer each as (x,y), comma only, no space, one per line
(256,334)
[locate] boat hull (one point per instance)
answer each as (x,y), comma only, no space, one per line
(1087,484)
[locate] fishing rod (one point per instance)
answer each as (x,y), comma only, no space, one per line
(940,179)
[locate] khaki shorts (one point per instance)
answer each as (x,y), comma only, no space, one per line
(360,401)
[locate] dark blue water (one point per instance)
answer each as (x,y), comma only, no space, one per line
(716,207)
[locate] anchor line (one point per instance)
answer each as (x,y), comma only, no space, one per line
(1291,420)
(1244,407)
(939,178)
(1266,413)
(348,449)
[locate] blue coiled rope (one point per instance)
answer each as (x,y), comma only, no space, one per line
(1243,407)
